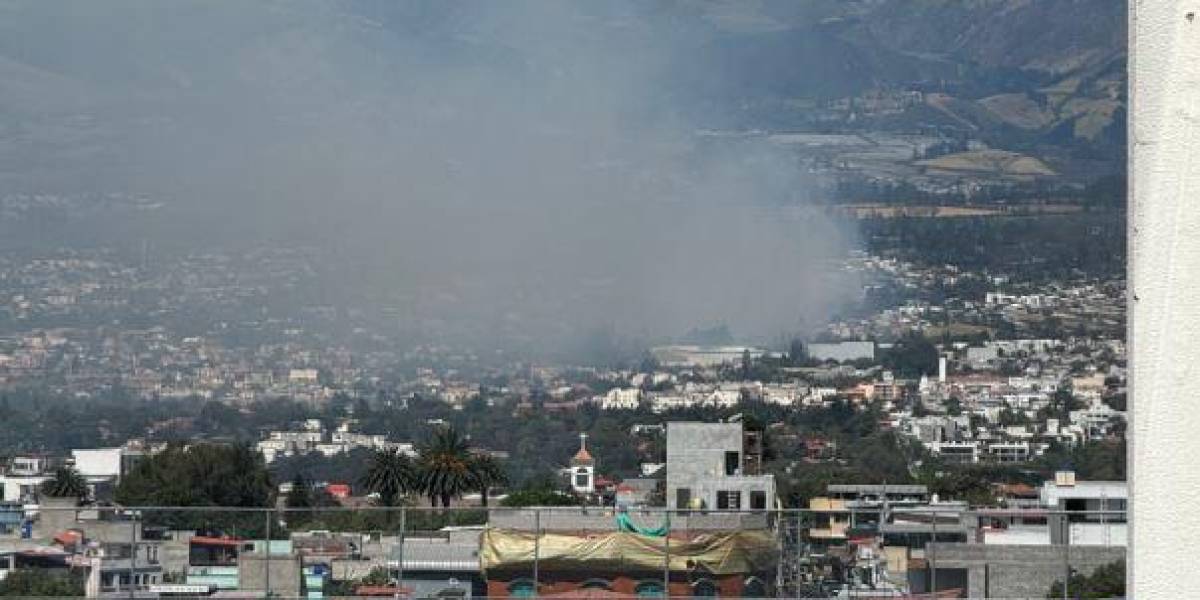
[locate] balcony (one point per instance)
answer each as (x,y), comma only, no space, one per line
(222,578)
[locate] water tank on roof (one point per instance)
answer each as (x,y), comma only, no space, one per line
(1064,478)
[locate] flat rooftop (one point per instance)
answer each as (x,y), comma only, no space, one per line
(605,519)
(854,488)
(1086,489)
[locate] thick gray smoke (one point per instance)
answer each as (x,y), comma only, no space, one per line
(503,171)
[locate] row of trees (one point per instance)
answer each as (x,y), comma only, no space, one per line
(446,467)
(1031,249)
(225,475)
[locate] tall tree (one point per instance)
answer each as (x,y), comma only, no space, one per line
(389,474)
(488,473)
(299,498)
(300,495)
(445,466)
(66,483)
(200,475)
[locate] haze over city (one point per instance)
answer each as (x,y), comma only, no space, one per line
(523,171)
(684,298)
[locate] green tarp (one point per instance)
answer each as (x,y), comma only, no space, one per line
(625,523)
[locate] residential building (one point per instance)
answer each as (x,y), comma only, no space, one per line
(716,466)
(1094,512)
(964,452)
(12,517)
(227,564)
(109,544)
(1008,452)
(21,485)
(106,466)
(621,399)
(440,564)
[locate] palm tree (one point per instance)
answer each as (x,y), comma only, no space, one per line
(389,474)
(445,466)
(66,483)
(300,495)
(488,473)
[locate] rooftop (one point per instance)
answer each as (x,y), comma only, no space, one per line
(583,456)
(854,488)
(603,519)
(1084,489)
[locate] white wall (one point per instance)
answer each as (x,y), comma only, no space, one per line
(12,484)
(1165,292)
(101,462)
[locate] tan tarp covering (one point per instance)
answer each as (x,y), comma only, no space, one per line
(717,553)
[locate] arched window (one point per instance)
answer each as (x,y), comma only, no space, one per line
(704,588)
(595,584)
(649,589)
(754,588)
(521,588)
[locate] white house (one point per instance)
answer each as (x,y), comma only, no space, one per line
(621,399)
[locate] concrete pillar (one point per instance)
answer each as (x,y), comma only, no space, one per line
(92,585)
(977,582)
(1164,291)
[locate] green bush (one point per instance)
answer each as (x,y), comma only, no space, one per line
(1107,581)
(42,582)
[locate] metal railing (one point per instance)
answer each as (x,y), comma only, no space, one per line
(417,552)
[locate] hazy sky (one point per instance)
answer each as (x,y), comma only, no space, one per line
(524,168)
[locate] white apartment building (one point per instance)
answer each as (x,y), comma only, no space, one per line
(621,399)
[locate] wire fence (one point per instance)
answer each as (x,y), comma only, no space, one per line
(836,549)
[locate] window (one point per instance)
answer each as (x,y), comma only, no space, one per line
(683,497)
(1116,514)
(758,500)
(649,589)
(1075,505)
(595,584)
(522,588)
(754,588)
(704,588)
(732,463)
(729,500)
